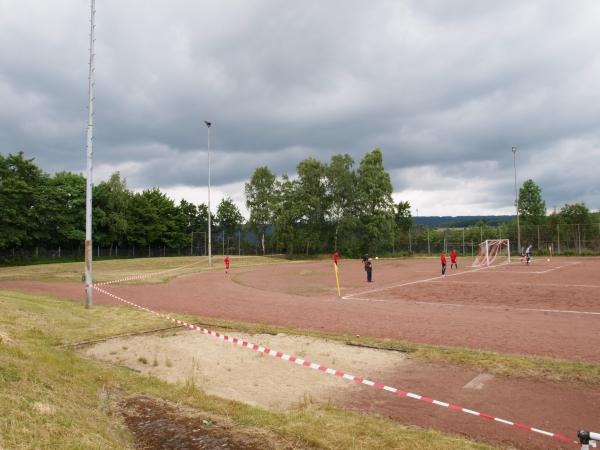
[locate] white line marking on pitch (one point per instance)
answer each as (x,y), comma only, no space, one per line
(440,278)
(565,311)
(479,381)
(560,267)
(348,297)
(538,272)
(527,284)
(464,305)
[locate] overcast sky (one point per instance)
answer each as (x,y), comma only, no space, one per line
(444,88)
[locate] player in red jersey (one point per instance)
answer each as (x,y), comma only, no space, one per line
(336,257)
(453,258)
(443,260)
(226,260)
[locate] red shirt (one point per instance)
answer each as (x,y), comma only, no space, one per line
(336,257)
(227,261)
(443,258)
(453,256)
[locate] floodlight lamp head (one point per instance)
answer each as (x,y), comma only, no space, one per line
(514,149)
(208,124)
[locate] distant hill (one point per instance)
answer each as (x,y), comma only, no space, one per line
(459,221)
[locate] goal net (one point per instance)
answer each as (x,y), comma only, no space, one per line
(492,252)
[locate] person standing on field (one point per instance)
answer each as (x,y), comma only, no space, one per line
(443,260)
(453,258)
(528,253)
(226,260)
(369,269)
(336,257)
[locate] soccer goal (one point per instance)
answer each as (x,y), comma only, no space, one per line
(492,252)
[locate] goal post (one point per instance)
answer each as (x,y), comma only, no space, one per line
(492,252)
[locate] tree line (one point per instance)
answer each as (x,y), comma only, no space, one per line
(327,206)
(49,211)
(533,211)
(337,205)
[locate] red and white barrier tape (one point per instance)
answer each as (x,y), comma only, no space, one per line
(338,373)
(143,276)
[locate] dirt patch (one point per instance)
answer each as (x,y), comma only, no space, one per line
(161,424)
(239,374)
(5,338)
(228,371)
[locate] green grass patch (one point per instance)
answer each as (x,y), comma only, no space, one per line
(109,270)
(51,397)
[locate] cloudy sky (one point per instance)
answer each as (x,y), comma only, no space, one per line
(444,88)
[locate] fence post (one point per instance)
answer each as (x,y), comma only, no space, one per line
(579,238)
(409,242)
(58,251)
(428,244)
(239,242)
(192,245)
(539,245)
(463,239)
(558,238)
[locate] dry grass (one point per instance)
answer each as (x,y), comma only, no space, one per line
(109,270)
(50,397)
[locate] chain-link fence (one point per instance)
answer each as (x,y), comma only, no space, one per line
(560,239)
(236,243)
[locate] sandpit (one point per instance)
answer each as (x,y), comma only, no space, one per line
(228,371)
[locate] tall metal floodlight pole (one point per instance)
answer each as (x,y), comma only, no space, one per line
(88,190)
(514,151)
(208,125)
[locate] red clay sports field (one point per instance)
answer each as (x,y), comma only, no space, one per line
(549,308)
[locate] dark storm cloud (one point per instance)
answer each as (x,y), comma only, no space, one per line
(444,88)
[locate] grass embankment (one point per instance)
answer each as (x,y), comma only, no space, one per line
(109,270)
(50,397)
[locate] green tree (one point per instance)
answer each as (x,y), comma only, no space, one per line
(532,208)
(154,220)
(576,213)
(312,201)
(228,217)
(60,207)
(111,203)
(286,214)
(375,207)
(403,217)
(194,217)
(19,180)
(260,192)
(341,191)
